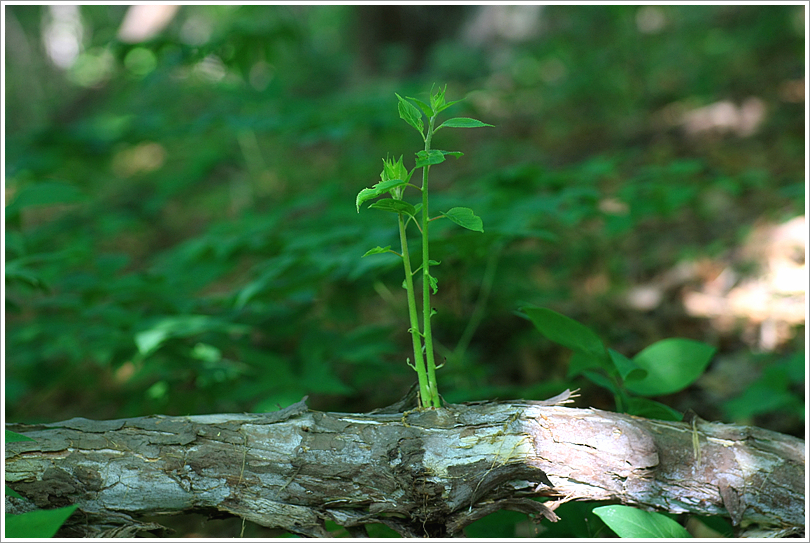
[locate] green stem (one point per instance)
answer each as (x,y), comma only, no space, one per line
(432,400)
(418,361)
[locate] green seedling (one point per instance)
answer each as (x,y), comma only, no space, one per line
(395,179)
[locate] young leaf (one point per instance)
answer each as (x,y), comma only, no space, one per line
(422,105)
(631,522)
(395,206)
(378,190)
(464,217)
(437,99)
(429,158)
(409,113)
(447,105)
(378,251)
(672,365)
(456,154)
(461,122)
(394,170)
(567,332)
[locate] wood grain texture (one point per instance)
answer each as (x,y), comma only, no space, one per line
(429,472)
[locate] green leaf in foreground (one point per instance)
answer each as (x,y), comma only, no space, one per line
(10,492)
(567,332)
(11,437)
(631,522)
(672,365)
(464,217)
(38,524)
(462,122)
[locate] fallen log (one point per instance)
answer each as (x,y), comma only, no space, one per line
(422,472)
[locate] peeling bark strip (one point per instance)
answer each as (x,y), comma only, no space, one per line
(429,472)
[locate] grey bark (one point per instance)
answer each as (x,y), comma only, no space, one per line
(422,472)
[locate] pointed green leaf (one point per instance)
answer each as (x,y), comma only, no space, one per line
(631,522)
(378,190)
(447,105)
(461,122)
(567,332)
(628,370)
(378,251)
(11,437)
(394,170)
(39,524)
(422,105)
(409,113)
(672,365)
(437,98)
(455,154)
(395,206)
(428,158)
(464,217)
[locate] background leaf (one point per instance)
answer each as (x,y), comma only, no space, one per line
(644,407)
(671,364)
(566,331)
(628,369)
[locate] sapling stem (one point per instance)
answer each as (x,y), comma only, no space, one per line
(419,364)
(432,400)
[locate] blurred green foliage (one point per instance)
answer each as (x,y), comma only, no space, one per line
(181,235)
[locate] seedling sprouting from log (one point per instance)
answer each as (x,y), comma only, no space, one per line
(395,179)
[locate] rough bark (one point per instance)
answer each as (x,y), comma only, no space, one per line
(423,472)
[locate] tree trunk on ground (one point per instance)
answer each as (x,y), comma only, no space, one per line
(422,473)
